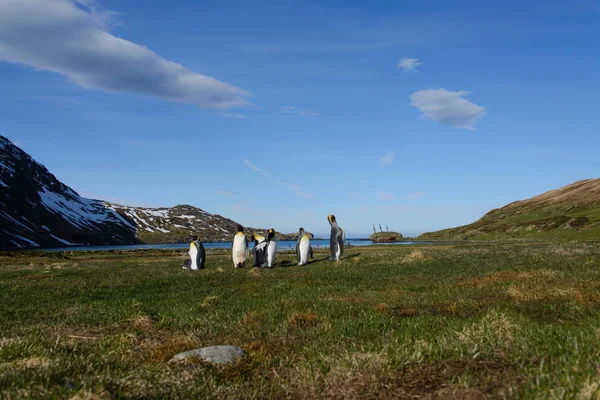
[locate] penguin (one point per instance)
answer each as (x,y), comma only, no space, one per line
(239,248)
(258,251)
(336,240)
(271,249)
(303,248)
(197,255)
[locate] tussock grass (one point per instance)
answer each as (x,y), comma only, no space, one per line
(504,320)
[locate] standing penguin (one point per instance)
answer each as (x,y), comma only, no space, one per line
(336,240)
(271,249)
(239,248)
(197,255)
(259,249)
(303,248)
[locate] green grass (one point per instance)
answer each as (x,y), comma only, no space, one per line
(464,321)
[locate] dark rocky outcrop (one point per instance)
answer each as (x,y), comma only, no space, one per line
(386,237)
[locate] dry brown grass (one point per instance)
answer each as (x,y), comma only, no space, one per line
(415,257)
(252,318)
(142,321)
(210,301)
(590,390)
(27,363)
(532,293)
(494,331)
(89,395)
(501,277)
(303,320)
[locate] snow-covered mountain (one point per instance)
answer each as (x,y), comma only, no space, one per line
(37,210)
(176,224)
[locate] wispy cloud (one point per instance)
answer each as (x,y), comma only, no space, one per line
(226,193)
(415,195)
(384,196)
(240,205)
(71,37)
(445,107)
(293,187)
(356,196)
(304,194)
(299,190)
(409,64)
(234,115)
(388,158)
(300,112)
(254,167)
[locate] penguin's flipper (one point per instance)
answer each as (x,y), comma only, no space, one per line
(310,252)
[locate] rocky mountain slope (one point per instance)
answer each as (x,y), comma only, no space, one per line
(572,211)
(37,210)
(176,224)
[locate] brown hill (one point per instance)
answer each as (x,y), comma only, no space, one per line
(572,211)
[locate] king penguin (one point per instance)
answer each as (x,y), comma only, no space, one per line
(239,248)
(336,240)
(303,248)
(259,249)
(197,255)
(271,249)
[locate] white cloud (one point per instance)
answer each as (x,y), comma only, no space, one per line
(447,107)
(293,187)
(388,158)
(240,205)
(301,112)
(356,196)
(71,38)
(415,195)
(226,193)
(304,194)
(234,115)
(361,210)
(255,168)
(384,196)
(409,64)
(299,190)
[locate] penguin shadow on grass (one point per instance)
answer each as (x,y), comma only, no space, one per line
(326,258)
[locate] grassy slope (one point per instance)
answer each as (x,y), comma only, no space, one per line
(389,321)
(547,215)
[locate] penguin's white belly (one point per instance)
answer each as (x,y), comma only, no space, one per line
(239,250)
(193,256)
(304,250)
(271,253)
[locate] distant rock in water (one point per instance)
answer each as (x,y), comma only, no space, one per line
(212,354)
(386,237)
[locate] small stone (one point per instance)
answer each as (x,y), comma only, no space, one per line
(213,354)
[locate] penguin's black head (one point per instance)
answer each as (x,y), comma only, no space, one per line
(301,231)
(331,218)
(240,228)
(270,234)
(194,238)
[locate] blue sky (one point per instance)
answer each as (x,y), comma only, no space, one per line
(420,115)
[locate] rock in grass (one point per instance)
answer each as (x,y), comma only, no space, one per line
(213,354)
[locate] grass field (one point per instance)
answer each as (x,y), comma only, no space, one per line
(469,321)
